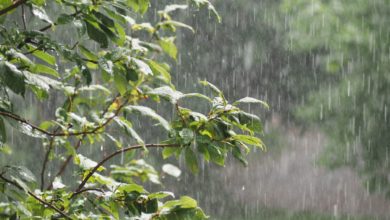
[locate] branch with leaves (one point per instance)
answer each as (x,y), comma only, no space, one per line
(103,81)
(17,185)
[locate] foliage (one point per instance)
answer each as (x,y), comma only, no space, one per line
(109,73)
(350,40)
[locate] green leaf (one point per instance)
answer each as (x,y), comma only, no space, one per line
(127,126)
(251,140)
(151,206)
(187,135)
(216,155)
(143,26)
(198,95)
(175,24)
(185,202)
(238,155)
(44,56)
(140,6)
(191,160)
(131,188)
(146,111)
(23,173)
(41,13)
(168,46)
(142,66)
(174,7)
(212,86)
(87,53)
(210,7)
(86,163)
(104,19)
(107,65)
(167,92)
(253,122)
(64,19)
(251,100)
(41,82)
(92,88)
(12,77)
(86,74)
(160,195)
(96,34)
(5,149)
(4,4)
(171,170)
(131,74)
(45,69)
(203,150)
(120,83)
(169,151)
(158,68)
(57,183)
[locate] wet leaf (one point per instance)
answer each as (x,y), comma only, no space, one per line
(146,111)
(251,100)
(171,170)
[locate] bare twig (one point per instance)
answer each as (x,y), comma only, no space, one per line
(85,180)
(46,160)
(86,190)
(65,163)
(36,197)
(11,7)
(179,113)
(24,18)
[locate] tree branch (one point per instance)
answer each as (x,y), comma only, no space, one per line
(60,134)
(35,197)
(11,7)
(82,184)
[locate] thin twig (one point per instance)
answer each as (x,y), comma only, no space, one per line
(46,160)
(31,51)
(36,197)
(65,163)
(11,7)
(179,113)
(88,189)
(85,180)
(24,18)
(69,108)
(54,134)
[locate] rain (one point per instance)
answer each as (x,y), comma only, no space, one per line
(321,66)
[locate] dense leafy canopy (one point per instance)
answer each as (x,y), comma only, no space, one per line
(350,40)
(111,71)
